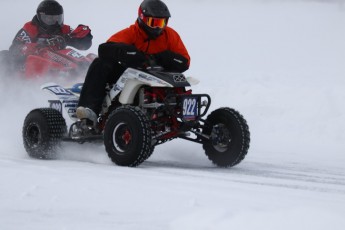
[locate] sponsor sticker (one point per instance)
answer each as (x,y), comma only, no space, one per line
(57,105)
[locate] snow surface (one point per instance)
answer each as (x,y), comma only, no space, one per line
(280,63)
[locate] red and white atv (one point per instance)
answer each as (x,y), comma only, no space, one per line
(65,62)
(143,109)
(49,61)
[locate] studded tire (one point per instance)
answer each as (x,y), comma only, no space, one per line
(42,132)
(127,136)
(229,137)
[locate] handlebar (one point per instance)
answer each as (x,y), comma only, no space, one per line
(151,64)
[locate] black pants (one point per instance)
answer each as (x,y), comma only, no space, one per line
(100,72)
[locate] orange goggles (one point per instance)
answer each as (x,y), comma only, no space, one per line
(155,22)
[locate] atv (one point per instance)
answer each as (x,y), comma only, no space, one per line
(49,61)
(66,62)
(143,109)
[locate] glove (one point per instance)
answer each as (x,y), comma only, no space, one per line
(55,43)
(128,55)
(80,32)
(80,38)
(172,61)
(132,57)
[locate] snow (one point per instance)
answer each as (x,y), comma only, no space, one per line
(280,63)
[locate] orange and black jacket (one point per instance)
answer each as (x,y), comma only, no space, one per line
(168,48)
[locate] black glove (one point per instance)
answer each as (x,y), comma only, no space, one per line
(172,61)
(55,43)
(128,55)
(132,57)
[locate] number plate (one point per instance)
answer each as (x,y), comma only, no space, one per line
(190,108)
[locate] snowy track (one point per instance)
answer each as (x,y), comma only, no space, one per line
(166,193)
(290,176)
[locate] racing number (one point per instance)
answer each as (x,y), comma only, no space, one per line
(190,107)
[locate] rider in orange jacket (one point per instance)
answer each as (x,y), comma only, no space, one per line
(149,38)
(168,39)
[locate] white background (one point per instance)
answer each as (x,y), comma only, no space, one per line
(280,63)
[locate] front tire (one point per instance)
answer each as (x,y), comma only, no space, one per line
(229,137)
(42,132)
(127,136)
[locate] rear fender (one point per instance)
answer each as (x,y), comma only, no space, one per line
(66,101)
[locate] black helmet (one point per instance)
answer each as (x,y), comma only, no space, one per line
(50,15)
(153,16)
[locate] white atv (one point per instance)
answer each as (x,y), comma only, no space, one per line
(143,109)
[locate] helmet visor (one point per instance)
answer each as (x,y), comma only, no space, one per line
(155,22)
(51,20)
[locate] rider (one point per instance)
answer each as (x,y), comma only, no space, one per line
(148,37)
(47,29)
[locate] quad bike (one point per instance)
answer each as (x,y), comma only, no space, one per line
(65,62)
(144,108)
(49,61)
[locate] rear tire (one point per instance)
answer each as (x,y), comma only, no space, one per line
(42,132)
(127,136)
(229,137)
